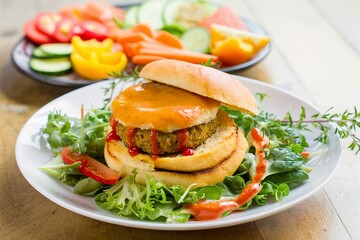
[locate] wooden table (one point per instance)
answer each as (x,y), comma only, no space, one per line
(315,54)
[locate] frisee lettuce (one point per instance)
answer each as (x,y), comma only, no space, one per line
(156,201)
(85,135)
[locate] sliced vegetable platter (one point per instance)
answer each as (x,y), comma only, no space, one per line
(29,52)
(32,153)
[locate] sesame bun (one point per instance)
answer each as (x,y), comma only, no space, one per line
(205,81)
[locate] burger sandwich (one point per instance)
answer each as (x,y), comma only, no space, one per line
(172,129)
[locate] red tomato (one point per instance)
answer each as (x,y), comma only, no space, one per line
(89,29)
(34,35)
(64,30)
(305,154)
(90,167)
(46,22)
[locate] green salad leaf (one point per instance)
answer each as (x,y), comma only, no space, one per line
(85,135)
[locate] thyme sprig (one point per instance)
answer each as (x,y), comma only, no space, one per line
(346,123)
(290,129)
(130,74)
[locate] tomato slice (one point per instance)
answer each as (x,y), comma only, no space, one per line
(89,29)
(46,22)
(34,35)
(64,30)
(90,167)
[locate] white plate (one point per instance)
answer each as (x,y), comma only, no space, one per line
(31,152)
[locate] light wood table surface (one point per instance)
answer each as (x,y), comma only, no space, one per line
(315,55)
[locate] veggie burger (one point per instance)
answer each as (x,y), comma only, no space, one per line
(172,129)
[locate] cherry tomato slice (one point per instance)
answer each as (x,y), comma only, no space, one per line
(34,35)
(64,30)
(46,22)
(89,29)
(90,167)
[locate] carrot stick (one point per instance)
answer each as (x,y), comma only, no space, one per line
(179,54)
(169,39)
(131,49)
(129,37)
(144,28)
(153,44)
(145,59)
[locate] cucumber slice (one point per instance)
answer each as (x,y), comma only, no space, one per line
(38,53)
(170,11)
(57,49)
(149,12)
(196,39)
(55,66)
(131,16)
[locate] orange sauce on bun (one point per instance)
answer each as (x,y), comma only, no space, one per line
(160,105)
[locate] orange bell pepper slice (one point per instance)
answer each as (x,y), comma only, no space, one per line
(233,51)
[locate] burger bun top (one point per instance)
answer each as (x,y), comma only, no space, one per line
(202,80)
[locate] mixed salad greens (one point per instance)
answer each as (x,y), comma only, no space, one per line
(154,201)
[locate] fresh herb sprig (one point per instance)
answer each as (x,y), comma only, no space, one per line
(129,75)
(211,63)
(290,128)
(346,123)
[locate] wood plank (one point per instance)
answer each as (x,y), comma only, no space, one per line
(344,194)
(303,221)
(343,17)
(244,231)
(274,69)
(301,34)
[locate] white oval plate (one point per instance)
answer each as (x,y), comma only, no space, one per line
(31,152)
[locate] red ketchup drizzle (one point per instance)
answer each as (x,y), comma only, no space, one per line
(113,122)
(154,143)
(188,152)
(215,209)
(183,136)
(132,149)
(112,135)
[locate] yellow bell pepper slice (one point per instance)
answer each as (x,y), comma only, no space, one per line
(111,58)
(85,48)
(93,69)
(95,60)
(233,51)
